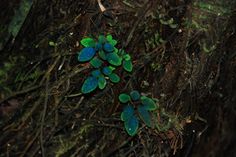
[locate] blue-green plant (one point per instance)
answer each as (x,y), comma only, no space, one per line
(104,58)
(143,105)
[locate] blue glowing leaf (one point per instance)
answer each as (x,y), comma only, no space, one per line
(88,42)
(135,95)
(101,82)
(86,54)
(107,70)
(144,114)
(124,98)
(131,125)
(89,85)
(108,47)
(96,73)
(127,113)
(98,47)
(113,59)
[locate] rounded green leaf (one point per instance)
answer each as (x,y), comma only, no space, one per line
(109,37)
(108,47)
(149,104)
(51,43)
(88,42)
(116,50)
(102,54)
(113,59)
(170,21)
(114,78)
(124,98)
(144,114)
(96,62)
(126,57)
(131,126)
(135,95)
(96,73)
(101,39)
(107,70)
(89,85)
(127,113)
(173,25)
(127,65)
(112,68)
(102,82)
(111,40)
(86,54)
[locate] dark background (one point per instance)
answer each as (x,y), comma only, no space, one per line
(192,73)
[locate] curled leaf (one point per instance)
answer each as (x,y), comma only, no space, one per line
(126,57)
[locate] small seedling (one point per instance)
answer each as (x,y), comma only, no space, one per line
(104,58)
(144,106)
(169,22)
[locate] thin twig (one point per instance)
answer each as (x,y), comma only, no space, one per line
(20,93)
(30,144)
(43,117)
(101,6)
(135,25)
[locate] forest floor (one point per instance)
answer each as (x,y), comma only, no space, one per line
(183,54)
